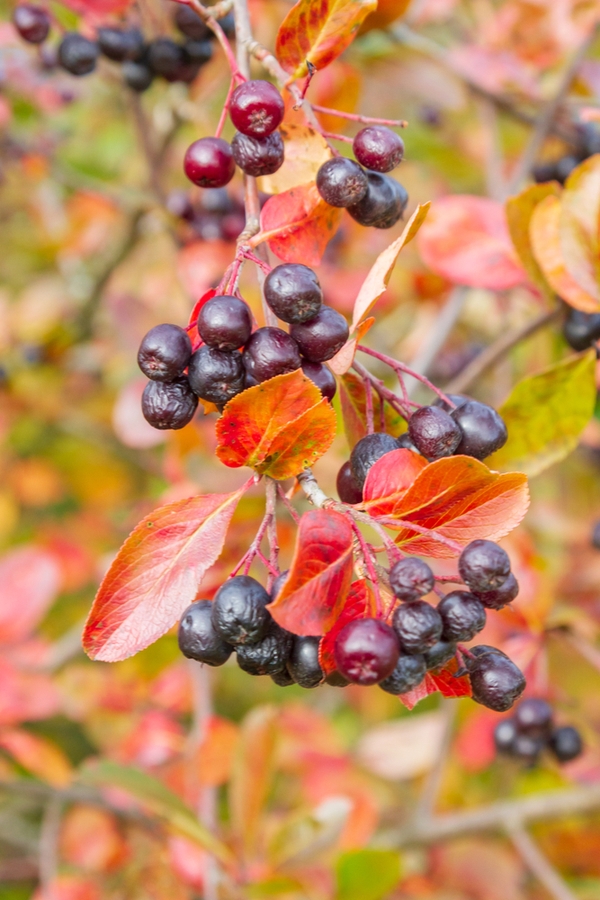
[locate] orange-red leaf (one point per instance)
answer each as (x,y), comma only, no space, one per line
(320,574)
(343,359)
(444,680)
(156,574)
(298,224)
(389,479)
(278,427)
(29,582)
(357,605)
(353,404)
(38,755)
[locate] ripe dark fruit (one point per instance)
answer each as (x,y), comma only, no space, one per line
(164,352)
(505,733)
(336,679)
(378,148)
(581,329)
(198,51)
(77,55)
(256,108)
(382,205)
(209,162)
(227,23)
(441,653)
(483,565)
(269,352)
(527,748)
(283,679)
(293,292)
(408,672)
(418,626)
(197,636)
(347,488)
(137,75)
(239,611)
(503,595)
(367,451)
(411,579)
(533,716)
(434,432)
(322,377)
(404,443)
(495,680)
(190,24)
(565,743)
(165,58)
(366,651)
(169,405)
(32,23)
(215,375)
(303,663)
(278,584)
(322,336)
(269,655)
(483,429)
(225,322)
(463,616)
(120,44)
(341,182)
(258,156)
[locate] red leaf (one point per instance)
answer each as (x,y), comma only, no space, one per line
(29,582)
(354,410)
(444,681)
(389,479)
(98,9)
(298,224)
(357,605)
(156,574)
(320,573)
(193,332)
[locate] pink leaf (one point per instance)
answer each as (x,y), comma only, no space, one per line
(29,582)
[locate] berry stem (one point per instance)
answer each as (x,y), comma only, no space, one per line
(369,406)
(225,110)
(273,564)
(256,260)
(286,502)
(332,136)
(383,392)
(398,524)
(401,367)
(356,117)
(254,549)
(368,561)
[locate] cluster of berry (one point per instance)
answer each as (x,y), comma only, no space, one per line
(531,729)
(581,330)
(371,197)
(586,144)
(233,357)
(256,109)
(214,215)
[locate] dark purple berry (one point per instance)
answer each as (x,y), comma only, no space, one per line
(483,429)
(197,636)
(293,292)
(278,584)
(77,55)
(418,626)
(405,443)
(347,488)
(533,716)
(258,156)
(283,679)
(564,166)
(137,75)
(32,23)
(503,595)
(209,162)
(411,579)
(545,171)
(216,375)
(383,204)
(322,377)
(581,329)
(322,336)
(495,680)
(565,743)
(303,663)
(239,610)
(190,24)
(164,352)
(269,655)
(199,52)
(367,451)
(121,44)
(227,23)
(225,322)
(434,432)
(505,733)
(408,672)
(165,58)
(527,748)
(256,108)
(463,616)
(336,679)
(269,352)
(378,148)
(483,565)
(169,405)
(366,651)
(441,652)
(341,182)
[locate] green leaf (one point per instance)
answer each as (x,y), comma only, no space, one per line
(546,413)
(157,798)
(367,874)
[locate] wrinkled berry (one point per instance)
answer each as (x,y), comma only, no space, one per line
(463,616)
(341,182)
(269,352)
(197,636)
(483,565)
(293,292)
(434,432)
(418,626)
(269,655)
(215,375)
(411,579)
(495,680)
(303,663)
(503,595)
(321,337)
(169,405)
(258,156)
(239,611)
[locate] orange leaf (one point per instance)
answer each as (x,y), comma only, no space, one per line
(305,152)
(298,225)
(354,405)
(343,359)
(38,755)
(443,680)
(357,605)
(519,210)
(278,427)
(389,478)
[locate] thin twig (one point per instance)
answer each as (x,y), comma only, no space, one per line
(444,323)
(49,838)
(539,865)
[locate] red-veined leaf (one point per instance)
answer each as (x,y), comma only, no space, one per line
(298,225)
(353,405)
(389,479)
(443,680)
(358,604)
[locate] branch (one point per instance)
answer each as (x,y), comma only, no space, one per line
(535,860)
(444,324)
(49,838)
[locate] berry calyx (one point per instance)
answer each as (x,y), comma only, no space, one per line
(216,375)
(198,638)
(303,663)
(366,651)
(463,616)
(323,377)
(418,626)
(341,182)
(269,352)
(225,322)
(258,156)
(321,337)
(367,451)
(164,352)
(483,565)
(77,55)
(411,579)
(383,204)
(483,429)
(209,162)
(566,743)
(239,612)
(347,488)
(32,23)
(293,293)
(500,597)
(256,108)
(408,672)
(169,404)
(434,432)
(378,148)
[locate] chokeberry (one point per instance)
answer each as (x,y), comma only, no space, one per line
(434,432)
(505,733)
(267,656)
(565,743)
(418,626)
(441,652)
(303,663)
(293,292)
(225,322)
(120,44)
(165,57)
(322,336)
(527,747)
(77,54)
(278,584)
(164,352)
(405,443)
(496,681)
(336,679)
(581,329)
(545,171)
(227,23)
(256,108)
(383,204)
(378,148)
(258,156)
(483,429)
(216,375)
(169,405)
(190,24)
(137,75)
(322,377)
(500,597)
(408,672)
(283,679)
(198,638)
(209,162)
(198,51)
(533,716)
(341,182)
(411,579)
(32,23)
(483,565)
(347,487)
(269,352)
(367,451)
(239,610)
(463,616)
(366,651)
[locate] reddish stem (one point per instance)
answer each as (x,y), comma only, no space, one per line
(369,406)
(401,367)
(384,393)
(214,26)
(331,135)
(397,524)
(247,254)
(225,110)
(368,559)
(355,117)
(286,502)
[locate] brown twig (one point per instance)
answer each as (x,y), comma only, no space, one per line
(539,865)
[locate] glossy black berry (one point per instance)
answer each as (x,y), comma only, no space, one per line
(581,329)
(256,108)
(303,663)
(527,748)
(418,626)
(198,51)
(405,443)
(483,650)
(169,405)
(190,24)
(483,429)
(209,162)
(258,156)
(239,611)
(321,337)
(269,655)
(534,716)
(198,638)
(565,743)
(367,451)
(366,651)
(137,75)
(278,584)
(347,488)
(216,375)
(411,579)
(336,679)
(283,679)
(165,58)
(383,204)
(408,672)
(164,352)
(77,55)
(322,377)
(503,595)
(441,653)
(434,432)
(463,616)
(32,23)
(269,352)
(341,182)
(505,733)
(293,292)
(225,322)
(483,565)
(495,680)
(378,148)
(120,44)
